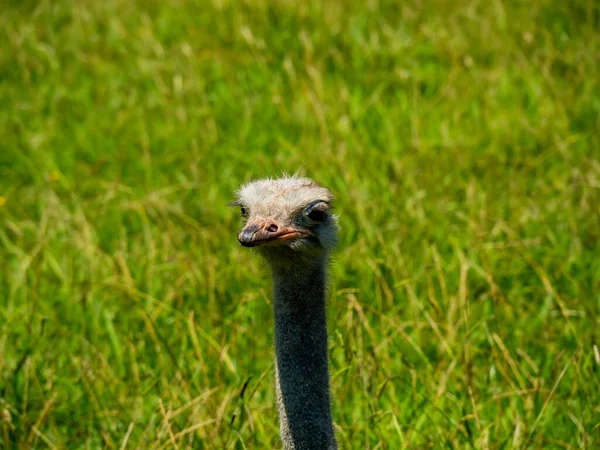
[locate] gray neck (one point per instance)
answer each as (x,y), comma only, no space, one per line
(302,378)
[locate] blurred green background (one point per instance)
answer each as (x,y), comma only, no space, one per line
(460,138)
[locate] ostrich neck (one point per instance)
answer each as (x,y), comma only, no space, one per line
(302,378)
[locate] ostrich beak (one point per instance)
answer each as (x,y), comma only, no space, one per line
(267,231)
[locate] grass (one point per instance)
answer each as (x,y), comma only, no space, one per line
(461,139)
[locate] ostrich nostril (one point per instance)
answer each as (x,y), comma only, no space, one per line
(272,228)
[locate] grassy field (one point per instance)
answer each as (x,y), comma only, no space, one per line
(462,140)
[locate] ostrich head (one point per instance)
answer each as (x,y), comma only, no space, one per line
(287,219)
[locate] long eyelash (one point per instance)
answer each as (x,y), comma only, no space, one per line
(316,202)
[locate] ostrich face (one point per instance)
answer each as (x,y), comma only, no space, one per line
(284,215)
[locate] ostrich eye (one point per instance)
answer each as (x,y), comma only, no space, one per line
(243,212)
(316,215)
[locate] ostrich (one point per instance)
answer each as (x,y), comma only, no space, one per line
(289,221)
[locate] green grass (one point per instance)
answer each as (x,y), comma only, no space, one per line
(462,141)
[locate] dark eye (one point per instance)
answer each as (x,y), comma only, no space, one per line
(243,211)
(316,215)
